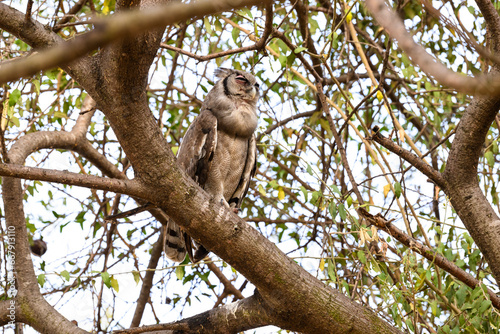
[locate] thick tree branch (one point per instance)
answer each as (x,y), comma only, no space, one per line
(464,192)
(128,187)
(480,85)
(122,25)
(31,32)
(31,306)
(244,314)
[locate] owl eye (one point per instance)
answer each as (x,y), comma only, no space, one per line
(242,79)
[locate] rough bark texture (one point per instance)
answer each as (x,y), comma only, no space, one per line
(463,187)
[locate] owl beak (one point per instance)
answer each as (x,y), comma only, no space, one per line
(253,92)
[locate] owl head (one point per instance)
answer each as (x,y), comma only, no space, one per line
(238,84)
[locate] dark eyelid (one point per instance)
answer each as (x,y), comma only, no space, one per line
(257,85)
(242,78)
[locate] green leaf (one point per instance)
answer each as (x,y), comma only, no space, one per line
(362,257)
(331,271)
(342,212)
(179,272)
(65,275)
(208,25)
(299,49)
(335,189)
(490,158)
(332,208)
(235,33)
(14,120)
(485,304)
(36,83)
(262,191)
(41,279)
(461,294)
(14,97)
(137,277)
(106,279)
(309,169)
(304,192)
(397,189)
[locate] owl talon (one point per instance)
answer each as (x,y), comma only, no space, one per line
(236,210)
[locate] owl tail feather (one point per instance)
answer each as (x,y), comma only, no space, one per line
(178,243)
(175,242)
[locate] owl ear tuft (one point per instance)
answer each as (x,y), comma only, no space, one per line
(222,72)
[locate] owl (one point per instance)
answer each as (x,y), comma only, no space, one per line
(219,150)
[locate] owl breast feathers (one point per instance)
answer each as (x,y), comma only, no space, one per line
(219,150)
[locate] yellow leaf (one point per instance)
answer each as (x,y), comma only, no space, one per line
(114,284)
(322,264)
(105,7)
(261,190)
(387,188)
(348,18)
(401,133)
(361,238)
(380,96)
(374,233)
(281,194)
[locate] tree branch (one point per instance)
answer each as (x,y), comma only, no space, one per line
(128,187)
(147,282)
(442,262)
(492,20)
(484,84)
(413,159)
(244,314)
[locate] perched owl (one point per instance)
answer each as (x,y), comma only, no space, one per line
(219,150)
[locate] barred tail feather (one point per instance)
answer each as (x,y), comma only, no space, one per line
(175,243)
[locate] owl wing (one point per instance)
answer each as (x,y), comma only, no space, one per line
(197,149)
(195,156)
(246,175)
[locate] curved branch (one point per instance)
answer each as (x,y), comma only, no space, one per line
(484,84)
(31,32)
(461,176)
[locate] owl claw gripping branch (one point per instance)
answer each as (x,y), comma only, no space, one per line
(219,150)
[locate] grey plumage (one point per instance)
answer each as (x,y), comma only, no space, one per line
(219,150)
